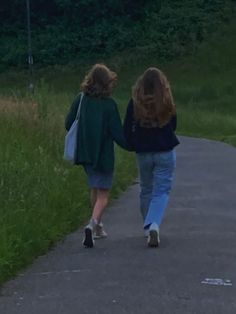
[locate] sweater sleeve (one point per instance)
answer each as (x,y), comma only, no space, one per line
(174,122)
(129,124)
(70,118)
(115,127)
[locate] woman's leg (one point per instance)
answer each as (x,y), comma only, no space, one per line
(163,177)
(100,204)
(93,197)
(145,165)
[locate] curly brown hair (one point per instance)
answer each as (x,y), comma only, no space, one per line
(153,101)
(99,81)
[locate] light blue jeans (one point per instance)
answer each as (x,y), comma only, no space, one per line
(156,175)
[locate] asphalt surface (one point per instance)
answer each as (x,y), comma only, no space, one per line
(122,275)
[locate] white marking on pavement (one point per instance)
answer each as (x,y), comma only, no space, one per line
(217,282)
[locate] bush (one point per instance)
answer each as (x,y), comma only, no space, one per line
(70,29)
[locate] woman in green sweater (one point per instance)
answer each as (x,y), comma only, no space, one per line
(99,127)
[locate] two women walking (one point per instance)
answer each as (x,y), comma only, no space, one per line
(149,130)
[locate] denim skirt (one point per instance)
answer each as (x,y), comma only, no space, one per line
(97,179)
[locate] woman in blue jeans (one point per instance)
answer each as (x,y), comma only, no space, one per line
(149,128)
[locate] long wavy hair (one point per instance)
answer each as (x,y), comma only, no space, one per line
(99,81)
(153,101)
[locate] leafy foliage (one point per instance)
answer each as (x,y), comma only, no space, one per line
(66,29)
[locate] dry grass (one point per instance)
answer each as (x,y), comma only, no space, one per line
(26,109)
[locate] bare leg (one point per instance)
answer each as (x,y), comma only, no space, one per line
(93,197)
(100,205)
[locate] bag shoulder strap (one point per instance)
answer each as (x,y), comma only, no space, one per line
(79,107)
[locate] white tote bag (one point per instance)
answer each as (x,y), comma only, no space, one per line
(71,137)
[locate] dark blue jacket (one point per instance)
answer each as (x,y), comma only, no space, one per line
(141,139)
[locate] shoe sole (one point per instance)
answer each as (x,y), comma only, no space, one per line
(153,238)
(88,240)
(99,237)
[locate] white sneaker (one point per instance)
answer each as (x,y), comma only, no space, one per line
(153,237)
(146,233)
(99,232)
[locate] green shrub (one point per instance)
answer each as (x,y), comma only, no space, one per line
(66,30)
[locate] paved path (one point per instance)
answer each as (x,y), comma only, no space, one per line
(121,275)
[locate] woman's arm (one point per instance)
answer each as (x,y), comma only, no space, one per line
(174,122)
(115,127)
(129,125)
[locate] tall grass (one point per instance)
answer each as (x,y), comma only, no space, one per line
(42,197)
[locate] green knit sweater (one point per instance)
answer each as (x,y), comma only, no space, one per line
(99,127)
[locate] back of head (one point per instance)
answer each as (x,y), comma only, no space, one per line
(99,81)
(153,101)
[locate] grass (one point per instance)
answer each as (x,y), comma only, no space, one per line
(42,197)
(204,89)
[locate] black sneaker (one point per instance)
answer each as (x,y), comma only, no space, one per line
(88,241)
